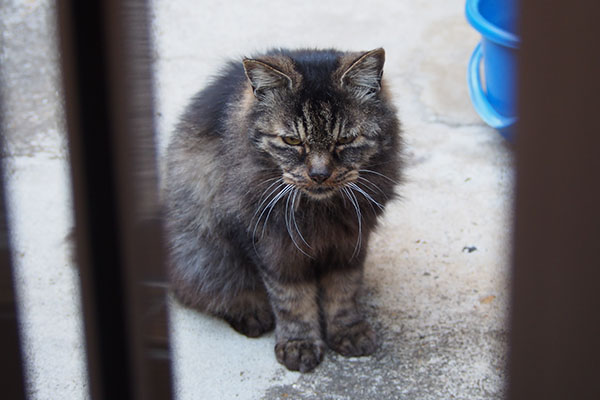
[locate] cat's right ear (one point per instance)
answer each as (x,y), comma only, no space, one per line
(363,77)
(265,78)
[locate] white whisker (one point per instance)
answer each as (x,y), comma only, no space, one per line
(288,217)
(268,180)
(378,173)
(354,202)
(271,205)
(296,194)
(366,195)
(372,185)
(280,180)
(368,202)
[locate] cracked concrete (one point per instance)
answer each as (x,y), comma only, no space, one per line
(437,279)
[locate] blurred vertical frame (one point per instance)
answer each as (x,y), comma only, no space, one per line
(11,362)
(107,75)
(555,321)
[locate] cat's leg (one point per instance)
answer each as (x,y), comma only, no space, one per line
(246,309)
(249,312)
(225,285)
(298,340)
(346,331)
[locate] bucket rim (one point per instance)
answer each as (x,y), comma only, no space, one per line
(505,125)
(487,29)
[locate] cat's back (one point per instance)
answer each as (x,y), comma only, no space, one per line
(194,165)
(206,112)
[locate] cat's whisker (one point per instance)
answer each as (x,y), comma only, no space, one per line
(370,205)
(264,209)
(366,195)
(269,207)
(378,173)
(359,216)
(288,216)
(297,194)
(354,202)
(343,197)
(249,191)
(277,180)
(371,185)
(298,202)
(382,163)
(272,203)
(268,180)
(280,180)
(287,221)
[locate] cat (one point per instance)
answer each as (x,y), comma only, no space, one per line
(276,175)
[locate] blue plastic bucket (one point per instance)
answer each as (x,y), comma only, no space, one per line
(497,21)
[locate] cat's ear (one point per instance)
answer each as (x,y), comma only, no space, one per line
(363,77)
(265,78)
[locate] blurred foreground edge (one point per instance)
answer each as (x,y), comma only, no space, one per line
(106,67)
(12,379)
(555,322)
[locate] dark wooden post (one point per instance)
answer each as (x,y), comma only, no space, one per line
(105,53)
(555,333)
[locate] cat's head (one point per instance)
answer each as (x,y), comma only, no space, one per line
(320,116)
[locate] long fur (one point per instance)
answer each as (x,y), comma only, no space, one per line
(276,175)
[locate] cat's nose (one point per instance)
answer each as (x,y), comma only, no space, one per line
(319,175)
(319,166)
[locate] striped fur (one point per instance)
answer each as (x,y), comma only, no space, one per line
(276,175)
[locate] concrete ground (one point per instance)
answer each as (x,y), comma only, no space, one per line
(438,270)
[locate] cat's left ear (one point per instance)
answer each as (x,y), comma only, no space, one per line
(363,76)
(265,78)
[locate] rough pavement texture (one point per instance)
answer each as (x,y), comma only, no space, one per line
(436,280)
(437,274)
(30,77)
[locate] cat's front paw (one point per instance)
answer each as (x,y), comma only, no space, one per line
(300,355)
(353,341)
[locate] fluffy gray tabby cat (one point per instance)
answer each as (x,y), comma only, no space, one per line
(276,175)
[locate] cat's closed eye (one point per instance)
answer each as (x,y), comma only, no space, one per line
(345,140)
